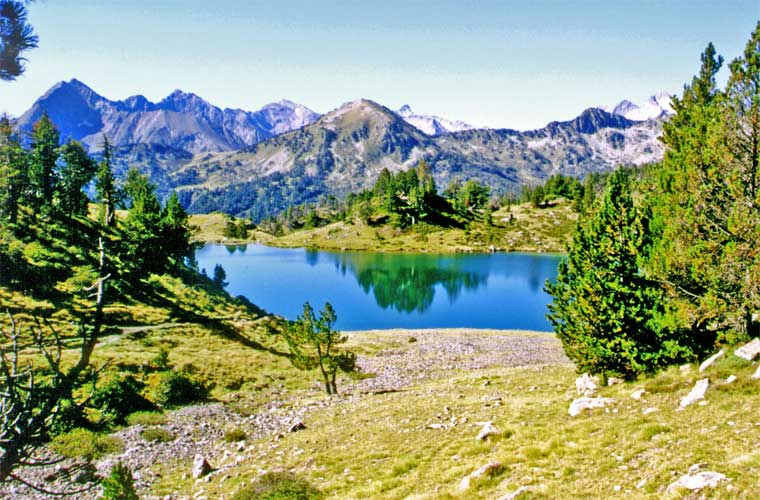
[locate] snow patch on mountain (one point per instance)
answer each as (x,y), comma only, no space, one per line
(656,106)
(430,124)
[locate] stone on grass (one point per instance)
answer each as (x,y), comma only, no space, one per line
(750,350)
(638,393)
(297,426)
(614,381)
(514,494)
(200,467)
(487,430)
(580,404)
(586,385)
(697,480)
(712,359)
(730,379)
(697,393)
(649,411)
(757,374)
(487,470)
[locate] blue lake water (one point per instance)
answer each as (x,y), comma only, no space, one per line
(383,290)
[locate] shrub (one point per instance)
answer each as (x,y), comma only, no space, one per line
(146,418)
(279,486)
(161,360)
(235,435)
(119,397)
(69,416)
(157,435)
(85,444)
(171,389)
(119,485)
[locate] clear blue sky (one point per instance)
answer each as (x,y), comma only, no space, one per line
(491,63)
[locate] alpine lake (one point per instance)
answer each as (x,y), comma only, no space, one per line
(371,290)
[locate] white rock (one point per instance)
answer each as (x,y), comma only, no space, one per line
(638,393)
(488,469)
(514,494)
(697,393)
(586,385)
(487,430)
(200,467)
(614,381)
(749,351)
(709,361)
(685,368)
(697,481)
(730,379)
(757,374)
(649,411)
(580,404)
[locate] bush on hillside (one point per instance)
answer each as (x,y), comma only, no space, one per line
(279,486)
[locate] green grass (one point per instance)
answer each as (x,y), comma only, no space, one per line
(157,435)
(379,447)
(146,418)
(82,443)
(517,228)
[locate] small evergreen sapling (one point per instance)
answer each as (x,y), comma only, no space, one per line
(119,485)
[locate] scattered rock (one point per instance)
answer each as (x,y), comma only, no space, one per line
(757,374)
(514,494)
(712,359)
(638,393)
(486,470)
(580,404)
(685,368)
(695,480)
(614,381)
(297,426)
(436,426)
(200,466)
(487,430)
(586,385)
(750,350)
(649,411)
(730,379)
(697,393)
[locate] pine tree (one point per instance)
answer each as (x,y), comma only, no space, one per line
(605,310)
(42,163)
(119,485)
(16,37)
(105,186)
(176,231)
(143,251)
(219,277)
(75,172)
(13,165)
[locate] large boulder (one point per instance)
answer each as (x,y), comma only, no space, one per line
(586,385)
(487,470)
(696,480)
(697,393)
(712,359)
(579,405)
(750,350)
(201,467)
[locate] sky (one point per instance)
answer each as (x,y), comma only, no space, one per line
(515,64)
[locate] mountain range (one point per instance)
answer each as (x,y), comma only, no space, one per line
(256,163)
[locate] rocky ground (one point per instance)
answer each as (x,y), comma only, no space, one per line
(199,429)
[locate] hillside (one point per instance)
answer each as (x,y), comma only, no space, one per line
(345,150)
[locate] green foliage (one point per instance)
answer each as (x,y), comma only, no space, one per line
(605,311)
(161,360)
(119,397)
(235,435)
(119,485)
(13,172)
(314,344)
(105,187)
(146,418)
(157,435)
(16,37)
(75,171)
(172,388)
(279,486)
(85,444)
(238,231)
(42,163)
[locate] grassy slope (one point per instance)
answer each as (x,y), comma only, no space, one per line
(380,447)
(531,230)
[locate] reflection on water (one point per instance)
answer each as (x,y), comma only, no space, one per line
(405,283)
(385,290)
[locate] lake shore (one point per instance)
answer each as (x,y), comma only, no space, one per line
(519,228)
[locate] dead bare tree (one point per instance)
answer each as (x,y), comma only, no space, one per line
(29,405)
